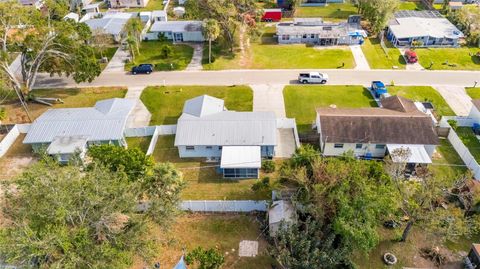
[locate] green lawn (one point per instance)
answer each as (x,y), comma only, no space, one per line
(378,59)
(203,182)
(151,5)
(421,94)
(150,52)
(223,232)
(446,162)
(77,97)
(301,101)
(265,53)
(166,103)
(410,5)
(473,92)
(139,142)
(329,12)
(458,58)
(470,140)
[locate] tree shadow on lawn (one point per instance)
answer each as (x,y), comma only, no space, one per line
(476,59)
(368,95)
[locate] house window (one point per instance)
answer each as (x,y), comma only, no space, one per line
(190,148)
(219,147)
(380,146)
(138,2)
(312,36)
(338,146)
(358,146)
(285,37)
(305,36)
(209,147)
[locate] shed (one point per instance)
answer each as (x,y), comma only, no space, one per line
(179,11)
(280,211)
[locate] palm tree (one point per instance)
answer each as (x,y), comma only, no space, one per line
(132,44)
(211,31)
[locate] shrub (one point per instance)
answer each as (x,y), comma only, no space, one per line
(268,166)
(261,185)
(453,124)
(3,113)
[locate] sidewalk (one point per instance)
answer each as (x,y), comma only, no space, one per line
(196,62)
(360,60)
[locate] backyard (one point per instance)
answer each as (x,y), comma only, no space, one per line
(378,59)
(330,12)
(474,93)
(469,139)
(151,53)
(462,58)
(265,53)
(18,157)
(77,97)
(411,5)
(223,232)
(166,103)
(203,181)
(151,5)
(301,101)
(422,94)
(446,162)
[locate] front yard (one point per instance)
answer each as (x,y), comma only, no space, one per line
(422,94)
(108,52)
(378,59)
(474,93)
(265,53)
(449,58)
(166,103)
(151,53)
(332,12)
(203,182)
(77,97)
(301,101)
(223,232)
(151,6)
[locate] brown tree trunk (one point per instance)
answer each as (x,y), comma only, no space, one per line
(406,232)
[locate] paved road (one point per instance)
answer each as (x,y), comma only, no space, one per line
(248,77)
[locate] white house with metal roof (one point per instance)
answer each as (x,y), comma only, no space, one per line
(177,31)
(206,129)
(65,131)
(422,29)
(110,23)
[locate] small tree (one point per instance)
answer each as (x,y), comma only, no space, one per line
(268,166)
(3,113)
(211,31)
(166,50)
(205,258)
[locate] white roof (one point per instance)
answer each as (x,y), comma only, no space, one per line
(272,10)
(111,22)
(105,121)
(159,13)
(67,144)
(91,6)
(145,13)
(418,154)
(280,210)
(417,27)
(241,157)
(176,26)
(203,105)
(73,16)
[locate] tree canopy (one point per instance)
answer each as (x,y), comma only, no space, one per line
(377,12)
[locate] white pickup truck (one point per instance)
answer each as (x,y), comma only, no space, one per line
(312,77)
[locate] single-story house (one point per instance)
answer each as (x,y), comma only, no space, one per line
(316,31)
(177,31)
(91,8)
(239,140)
(159,15)
(110,23)
(126,3)
(422,29)
(65,131)
(376,132)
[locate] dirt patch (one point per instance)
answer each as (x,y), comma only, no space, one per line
(17,158)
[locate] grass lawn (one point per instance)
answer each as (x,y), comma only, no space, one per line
(423,93)
(109,52)
(150,52)
(223,232)
(473,92)
(166,103)
(203,182)
(139,142)
(461,57)
(265,53)
(446,162)
(301,101)
(470,140)
(376,57)
(411,5)
(151,5)
(77,97)
(329,12)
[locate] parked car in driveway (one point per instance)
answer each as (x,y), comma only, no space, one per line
(142,69)
(411,56)
(312,77)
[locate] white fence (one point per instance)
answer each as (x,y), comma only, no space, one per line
(219,206)
(153,131)
(12,135)
(286,123)
(461,121)
(461,149)
(140,131)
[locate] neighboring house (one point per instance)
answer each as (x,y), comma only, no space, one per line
(127,3)
(72,16)
(65,131)
(475,111)
(91,8)
(110,23)
(316,31)
(177,31)
(35,3)
(422,29)
(206,129)
(159,15)
(374,132)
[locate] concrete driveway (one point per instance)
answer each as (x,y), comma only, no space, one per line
(269,97)
(196,62)
(117,63)
(360,59)
(140,116)
(457,98)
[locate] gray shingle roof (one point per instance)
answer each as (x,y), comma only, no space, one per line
(105,121)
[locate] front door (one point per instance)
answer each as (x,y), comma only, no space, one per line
(178,37)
